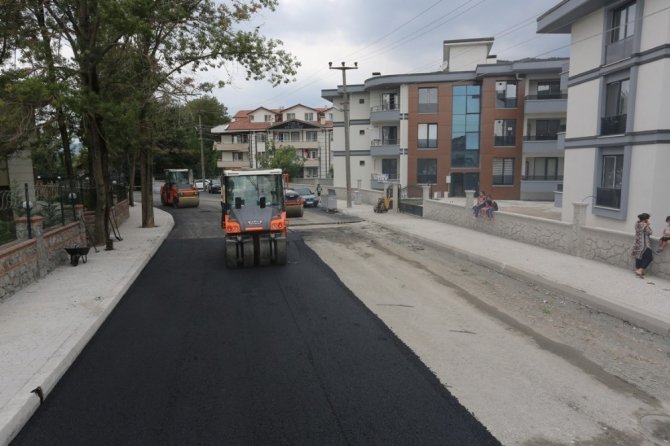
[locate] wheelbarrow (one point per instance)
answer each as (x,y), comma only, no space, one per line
(77,253)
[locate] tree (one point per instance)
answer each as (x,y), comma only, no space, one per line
(162,39)
(197,35)
(284,158)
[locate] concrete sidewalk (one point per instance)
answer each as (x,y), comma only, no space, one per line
(610,289)
(45,326)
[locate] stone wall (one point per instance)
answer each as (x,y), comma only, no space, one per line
(27,259)
(603,245)
(574,238)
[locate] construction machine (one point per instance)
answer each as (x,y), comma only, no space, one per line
(178,190)
(253,217)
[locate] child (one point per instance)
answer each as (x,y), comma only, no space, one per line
(665,236)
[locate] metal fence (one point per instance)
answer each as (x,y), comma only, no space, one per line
(54,202)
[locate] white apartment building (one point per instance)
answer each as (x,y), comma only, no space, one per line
(439,128)
(617,139)
(307,129)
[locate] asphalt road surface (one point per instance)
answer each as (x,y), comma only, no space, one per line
(199,354)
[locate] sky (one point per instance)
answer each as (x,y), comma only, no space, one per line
(386,36)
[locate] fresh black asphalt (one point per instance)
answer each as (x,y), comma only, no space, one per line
(199,354)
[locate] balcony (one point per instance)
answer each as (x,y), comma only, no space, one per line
(311,162)
(540,187)
(230,164)
(300,144)
(541,145)
(384,147)
(384,113)
(231,147)
(613,125)
(547,103)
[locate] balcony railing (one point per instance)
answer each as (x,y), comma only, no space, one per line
(613,125)
(509,140)
(383,142)
(542,177)
(553,137)
(541,97)
(384,107)
(619,50)
(608,197)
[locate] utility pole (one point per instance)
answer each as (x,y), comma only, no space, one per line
(202,151)
(345,107)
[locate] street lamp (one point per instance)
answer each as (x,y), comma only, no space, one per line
(345,107)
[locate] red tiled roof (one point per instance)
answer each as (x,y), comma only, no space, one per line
(241,121)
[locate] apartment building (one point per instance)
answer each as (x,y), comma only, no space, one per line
(307,129)
(617,139)
(477,124)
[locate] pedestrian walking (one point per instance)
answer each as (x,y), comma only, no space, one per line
(642,245)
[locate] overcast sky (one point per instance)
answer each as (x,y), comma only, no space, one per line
(387,36)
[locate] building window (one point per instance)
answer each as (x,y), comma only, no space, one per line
(311,136)
(623,23)
(311,172)
(505,94)
(503,171)
(428,100)
(238,156)
(426,171)
(389,101)
(389,135)
(616,106)
(251,118)
(361,101)
(261,137)
(549,89)
(621,29)
(290,116)
(309,116)
(543,129)
(268,118)
(241,139)
(390,168)
(427,136)
(311,154)
(542,169)
(289,136)
(361,132)
(330,116)
(505,132)
(608,192)
(361,163)
(465,126)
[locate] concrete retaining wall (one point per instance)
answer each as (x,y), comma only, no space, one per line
(592,243)
(603,245)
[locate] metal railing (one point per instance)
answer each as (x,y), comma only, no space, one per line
(54,202)
(542,97)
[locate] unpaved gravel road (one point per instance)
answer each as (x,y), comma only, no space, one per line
(535,367)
